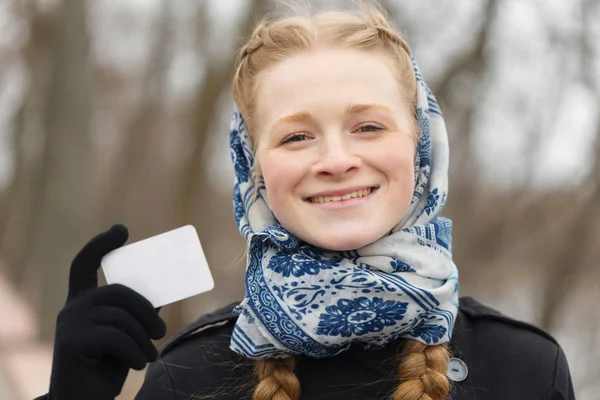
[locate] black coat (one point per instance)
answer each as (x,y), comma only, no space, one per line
(501,358)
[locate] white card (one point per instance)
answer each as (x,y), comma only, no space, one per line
(164,268)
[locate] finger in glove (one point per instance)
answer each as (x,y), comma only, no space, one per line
(124,322)
(138,306)
(84,268)
(119,345)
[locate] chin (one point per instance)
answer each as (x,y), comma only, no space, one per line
(343,243)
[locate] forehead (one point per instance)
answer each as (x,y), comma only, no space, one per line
(326,79)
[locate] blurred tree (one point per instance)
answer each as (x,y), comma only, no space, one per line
(61,213)
(570,260)
(17,218)
(477,240)
(192,180)
(136,172)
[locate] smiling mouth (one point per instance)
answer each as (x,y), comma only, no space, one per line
(352,195)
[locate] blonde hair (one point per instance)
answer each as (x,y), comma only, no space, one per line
(275,39)
(422,369)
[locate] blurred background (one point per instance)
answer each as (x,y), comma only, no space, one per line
(117,111)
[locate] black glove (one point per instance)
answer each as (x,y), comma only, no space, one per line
(101,332)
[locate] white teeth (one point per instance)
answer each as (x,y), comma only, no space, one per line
(357,193)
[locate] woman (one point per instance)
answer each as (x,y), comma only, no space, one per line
(341,157)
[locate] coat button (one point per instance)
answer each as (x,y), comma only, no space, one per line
(457,370)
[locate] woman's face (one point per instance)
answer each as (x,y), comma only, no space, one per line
(335,147)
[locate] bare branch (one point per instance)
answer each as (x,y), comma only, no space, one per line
(215,80)
(134,160)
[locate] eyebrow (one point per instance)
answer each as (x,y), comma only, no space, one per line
(351,109)
(297,117)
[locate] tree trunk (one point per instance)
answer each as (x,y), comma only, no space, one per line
(190,207)
(27,139)
(62,211)
(136,172)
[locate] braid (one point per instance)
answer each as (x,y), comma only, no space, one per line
(254,43)
(386,32)
(394,43)
(423,372)
(277,380)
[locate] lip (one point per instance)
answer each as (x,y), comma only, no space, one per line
(341,192)
(343,204)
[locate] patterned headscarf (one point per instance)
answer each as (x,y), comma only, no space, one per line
(300,300)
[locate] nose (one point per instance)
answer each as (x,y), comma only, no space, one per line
(336,158)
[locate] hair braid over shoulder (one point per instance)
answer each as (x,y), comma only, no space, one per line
(277,380)
(422,372)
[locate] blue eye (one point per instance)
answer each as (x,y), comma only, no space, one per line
(295,137)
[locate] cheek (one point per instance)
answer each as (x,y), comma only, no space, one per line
(397,162)
(398,158)
(281,177)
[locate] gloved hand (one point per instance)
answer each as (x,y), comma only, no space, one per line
(101,332)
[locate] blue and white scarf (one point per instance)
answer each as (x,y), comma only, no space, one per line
(300,300)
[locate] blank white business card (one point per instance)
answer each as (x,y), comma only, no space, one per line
(164,268)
